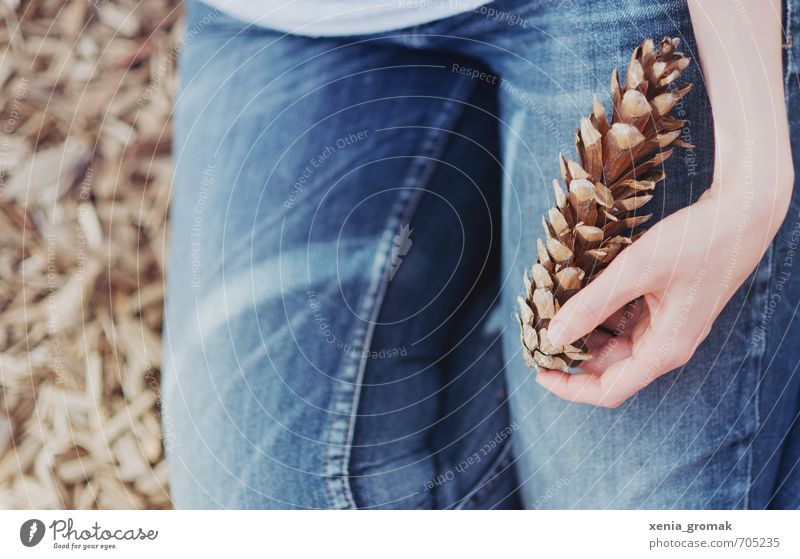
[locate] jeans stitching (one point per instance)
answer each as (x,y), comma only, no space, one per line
(768,266)
(760,287)
(347,392)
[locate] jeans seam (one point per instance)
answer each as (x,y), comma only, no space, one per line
(348,390)
(787,71)
(758,359)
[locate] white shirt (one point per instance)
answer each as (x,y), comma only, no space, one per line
(317,18)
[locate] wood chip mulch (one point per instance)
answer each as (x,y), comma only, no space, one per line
(87,90)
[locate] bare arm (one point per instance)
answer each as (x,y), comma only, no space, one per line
(740,46)
(689,265)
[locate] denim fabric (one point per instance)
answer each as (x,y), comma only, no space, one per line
(350,222)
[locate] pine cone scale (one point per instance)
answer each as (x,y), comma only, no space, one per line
(619,164)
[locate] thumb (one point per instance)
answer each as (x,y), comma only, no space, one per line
(628,277)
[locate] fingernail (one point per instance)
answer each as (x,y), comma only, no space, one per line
(556,333)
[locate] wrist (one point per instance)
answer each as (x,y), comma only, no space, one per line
(753,124)
(753,177)
(755,165)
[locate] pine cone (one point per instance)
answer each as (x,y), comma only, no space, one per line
(620,164)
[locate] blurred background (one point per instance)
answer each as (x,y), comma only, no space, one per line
(87,88)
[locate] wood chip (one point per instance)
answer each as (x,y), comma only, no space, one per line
(86,100)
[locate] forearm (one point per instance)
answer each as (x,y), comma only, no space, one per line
(740,47)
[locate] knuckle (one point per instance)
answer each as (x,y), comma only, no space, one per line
(679,358)
(611,403)
(587,309)
(612,399)
(641,269)
(660,275)
(685,349)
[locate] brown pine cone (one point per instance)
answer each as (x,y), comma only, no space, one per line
(619,165)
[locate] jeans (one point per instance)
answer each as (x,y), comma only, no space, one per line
(350,222)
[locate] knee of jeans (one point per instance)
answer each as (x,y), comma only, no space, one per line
(244,424)
(240,438)
(228,478)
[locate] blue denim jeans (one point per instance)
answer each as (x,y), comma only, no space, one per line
(351,218)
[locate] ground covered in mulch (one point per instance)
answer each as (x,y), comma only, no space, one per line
(84,186)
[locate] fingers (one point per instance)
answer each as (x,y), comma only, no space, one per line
(605,353)
(622,321)
(654,353)
(586,388)
(628,324)
(608,389)
(627,278)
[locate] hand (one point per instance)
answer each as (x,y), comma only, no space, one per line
(679,275)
